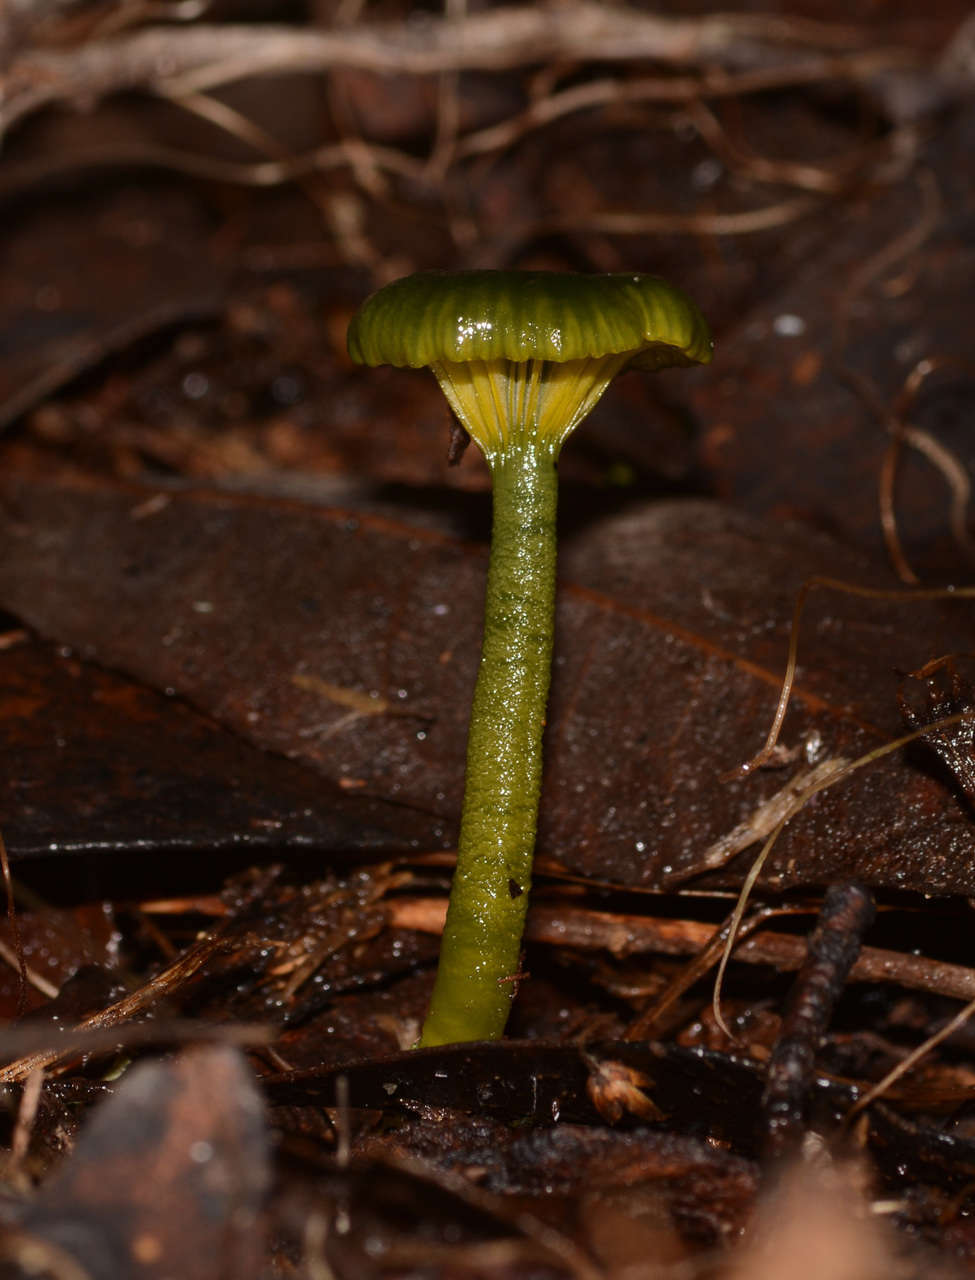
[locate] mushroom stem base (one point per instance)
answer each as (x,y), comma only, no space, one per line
(480,955)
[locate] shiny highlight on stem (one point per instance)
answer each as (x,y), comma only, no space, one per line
(480,953)
(519,413)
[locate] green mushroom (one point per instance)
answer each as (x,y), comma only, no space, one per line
(522,357)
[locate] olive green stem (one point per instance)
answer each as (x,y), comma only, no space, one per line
(481,948)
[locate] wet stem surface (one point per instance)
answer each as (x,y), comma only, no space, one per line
(241,591)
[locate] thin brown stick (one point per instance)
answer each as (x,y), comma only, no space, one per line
(141,12)
(263,173)
(367,174)
(626,935)
(952,472)
(173,976)
(746,222)
(36,1037)
(840,774)
(955,476)
(338,210)
(914,1057)
(894,419)
(10,956)
(686,90)
(139,1001)
(749,164)
(761,821)
(14,921)
(515,1256)
(26,1115)
(887,507)
(448,108)
(900,247)
(643,1026)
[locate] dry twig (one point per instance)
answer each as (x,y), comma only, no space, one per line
(625,935)
(178,60)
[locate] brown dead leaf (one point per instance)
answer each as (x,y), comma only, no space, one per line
(672,629)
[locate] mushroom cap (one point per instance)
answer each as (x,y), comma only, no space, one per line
(461,316)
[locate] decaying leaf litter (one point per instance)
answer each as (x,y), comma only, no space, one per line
(236,705)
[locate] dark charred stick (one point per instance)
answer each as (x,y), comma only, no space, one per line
(847,912)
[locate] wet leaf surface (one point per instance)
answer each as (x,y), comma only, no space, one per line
(105,766)
(543,1083)
(348,640)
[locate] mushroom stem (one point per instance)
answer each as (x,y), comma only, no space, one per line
(481,948)
(522,357)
